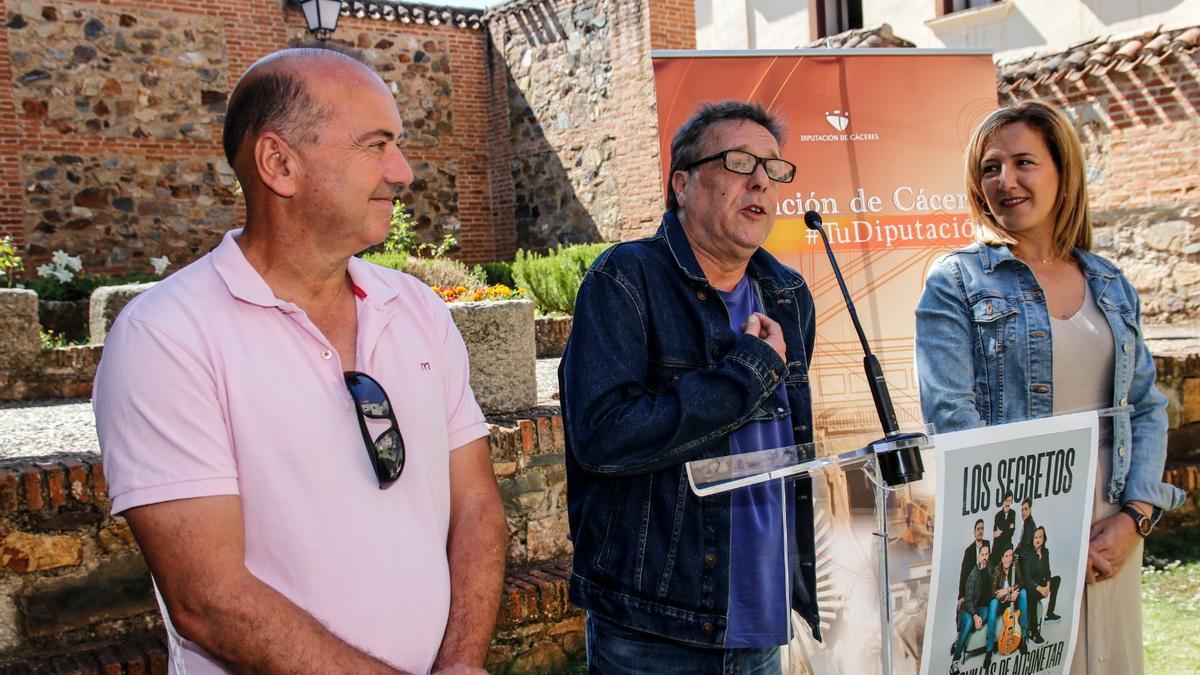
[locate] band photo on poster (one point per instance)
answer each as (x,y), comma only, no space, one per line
(1010,547)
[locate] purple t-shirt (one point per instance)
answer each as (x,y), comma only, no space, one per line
(758,591)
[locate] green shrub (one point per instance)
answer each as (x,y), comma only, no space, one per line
(81,286)
(498,273)
(552,280)
(393,261)
(432,271)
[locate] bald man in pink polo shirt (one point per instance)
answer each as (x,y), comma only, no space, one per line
(290,431)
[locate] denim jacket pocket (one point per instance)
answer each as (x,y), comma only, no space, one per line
(614,526)
(664,373)
(994,318)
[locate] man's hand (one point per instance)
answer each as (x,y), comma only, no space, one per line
(1044,590)
(961,602)
(978,622)
(763,327)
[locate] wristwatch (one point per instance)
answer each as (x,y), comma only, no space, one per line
(1142,522)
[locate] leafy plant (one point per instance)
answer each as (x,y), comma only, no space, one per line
(402,239)
(53,340)
(444,272)
(10,263)
(498,273)
(552,280)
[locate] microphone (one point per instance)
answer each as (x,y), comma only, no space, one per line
(904,465)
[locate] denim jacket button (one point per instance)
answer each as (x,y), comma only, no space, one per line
(716,352)
(702,294)
(1121,451)
(710,560)
(1125,347)
(707,629)
(1124,401)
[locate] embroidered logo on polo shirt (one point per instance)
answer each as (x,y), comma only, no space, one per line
(425,366)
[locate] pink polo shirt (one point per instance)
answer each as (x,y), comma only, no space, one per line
(210,385)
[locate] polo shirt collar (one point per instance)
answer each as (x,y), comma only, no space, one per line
(246,284)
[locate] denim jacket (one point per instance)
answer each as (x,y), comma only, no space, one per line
(985,297)
(652,378)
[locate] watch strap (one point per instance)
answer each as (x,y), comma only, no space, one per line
(1141,522)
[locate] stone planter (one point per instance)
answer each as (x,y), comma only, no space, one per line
(552,333)
(107,303)
(19,339)
(66,317)
(500,344)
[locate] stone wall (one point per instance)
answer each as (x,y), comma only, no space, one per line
(1158,248)
(110,139)
(582,117)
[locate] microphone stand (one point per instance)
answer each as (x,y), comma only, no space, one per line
(897,456)
(901,465)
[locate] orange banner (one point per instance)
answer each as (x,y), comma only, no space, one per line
(878,138)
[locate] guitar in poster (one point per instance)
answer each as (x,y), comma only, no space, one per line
(1013,516)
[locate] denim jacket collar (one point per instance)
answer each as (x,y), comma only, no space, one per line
(991,256)
(763,267)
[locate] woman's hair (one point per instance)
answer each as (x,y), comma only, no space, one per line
(1072,220)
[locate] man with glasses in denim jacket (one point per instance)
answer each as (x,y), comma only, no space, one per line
(692,344)
(290,431)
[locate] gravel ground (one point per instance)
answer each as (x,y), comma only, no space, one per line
(43,428)
(38,428)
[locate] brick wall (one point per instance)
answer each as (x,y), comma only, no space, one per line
(1139,125)
(673,24)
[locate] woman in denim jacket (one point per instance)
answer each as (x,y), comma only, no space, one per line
(1027,323)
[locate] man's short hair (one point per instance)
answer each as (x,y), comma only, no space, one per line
(1028,501)
(978,523)
(688,139)
(1008,494)
(278,101)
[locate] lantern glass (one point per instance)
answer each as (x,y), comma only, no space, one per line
(321,15)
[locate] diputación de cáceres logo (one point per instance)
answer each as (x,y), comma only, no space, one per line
(840,121)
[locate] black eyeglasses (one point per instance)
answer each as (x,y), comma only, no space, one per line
(739,161)
(371,403)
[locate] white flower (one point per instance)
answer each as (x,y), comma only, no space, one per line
(160,264)
(63,275)
(46,270)
(60,258)
(74,262)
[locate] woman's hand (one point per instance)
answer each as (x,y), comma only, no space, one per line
(1112,540)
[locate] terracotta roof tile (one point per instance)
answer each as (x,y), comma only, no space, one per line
(1097,56)
(859,38)
(410,12)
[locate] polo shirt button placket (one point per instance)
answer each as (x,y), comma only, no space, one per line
(326,354)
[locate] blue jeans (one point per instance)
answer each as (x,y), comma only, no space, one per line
(995,611)
(615,650)
(966,626)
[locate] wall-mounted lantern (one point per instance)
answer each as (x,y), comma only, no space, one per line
(321,16)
